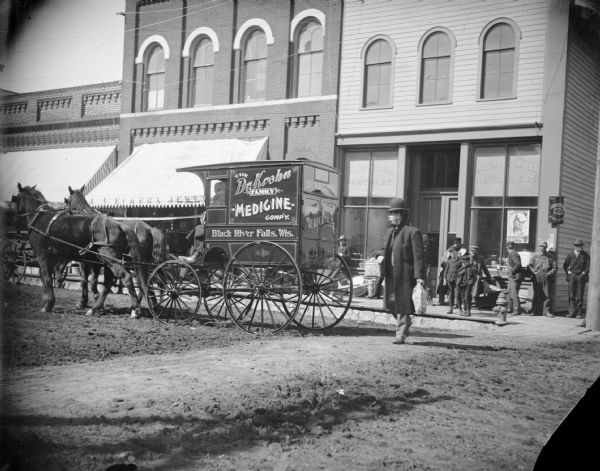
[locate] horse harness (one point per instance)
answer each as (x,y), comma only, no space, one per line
(99,219)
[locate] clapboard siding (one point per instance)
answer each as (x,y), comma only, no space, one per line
(578,172)
(405,22)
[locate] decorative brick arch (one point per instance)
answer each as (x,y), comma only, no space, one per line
(151,40)
(253,22)
(202,31)
(309,13)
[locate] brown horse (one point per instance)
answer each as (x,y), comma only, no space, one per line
(57,234)
(152,241)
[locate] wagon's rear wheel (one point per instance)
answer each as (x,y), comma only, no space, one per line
(262,287)
(327,294)
(13,261)
(174,293)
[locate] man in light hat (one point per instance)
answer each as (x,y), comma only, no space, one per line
(515,276)
(577,269)
(481,268)
(543,268)
(403,266)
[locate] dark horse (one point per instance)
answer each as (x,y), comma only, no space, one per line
(153,247)
(56,235)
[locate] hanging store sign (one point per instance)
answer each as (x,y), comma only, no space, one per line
(556,210)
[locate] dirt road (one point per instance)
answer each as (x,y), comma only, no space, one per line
(90,392)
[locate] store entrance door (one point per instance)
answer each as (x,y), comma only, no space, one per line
(437,217)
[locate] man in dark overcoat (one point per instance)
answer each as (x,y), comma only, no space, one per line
(514,273)
(403,266)
(577,269)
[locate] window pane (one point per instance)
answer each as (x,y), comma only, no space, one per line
(156,61)
(524,170)
(443,45)
(492,38)
(204,54)
(490,86)
(384,95)
(507,61)
(430,47)
(385,177)
(443,68)
(505,85)
(355,222)
(379,51)
(442,90)
(357,174)
(489,171)
(492,63)
(256,46)
(486,232)
(507,36)
(377,226)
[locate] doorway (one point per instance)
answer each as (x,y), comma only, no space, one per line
(435,170)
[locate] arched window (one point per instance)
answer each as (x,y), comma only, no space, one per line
(309,59)
(377,79)
(498,62)
(436,66)
(254,72)
(202,70)
(154,80)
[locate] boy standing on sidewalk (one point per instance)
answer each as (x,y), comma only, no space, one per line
(466,278)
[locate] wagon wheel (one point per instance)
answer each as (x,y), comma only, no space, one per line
(327,295)
(211,276)
(174,294)
(14,261)
(262,287)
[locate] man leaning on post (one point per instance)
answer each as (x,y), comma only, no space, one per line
(577,269)
(403,266)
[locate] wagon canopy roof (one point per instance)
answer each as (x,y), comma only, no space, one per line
(149,176)
(54,170)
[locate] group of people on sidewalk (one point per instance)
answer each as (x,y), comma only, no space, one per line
(404,260)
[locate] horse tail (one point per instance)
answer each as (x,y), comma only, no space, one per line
(135,251)
(159,245)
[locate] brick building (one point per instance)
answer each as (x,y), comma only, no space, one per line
(232,72)
(57,138)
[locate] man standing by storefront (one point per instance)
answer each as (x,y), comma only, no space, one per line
(403,266)
(514,274)
(543,269)
(577,268)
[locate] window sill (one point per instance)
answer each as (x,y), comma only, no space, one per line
(372,108)
(436,103)
(498,98)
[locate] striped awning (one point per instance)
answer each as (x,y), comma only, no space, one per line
(54,170)
(148,177)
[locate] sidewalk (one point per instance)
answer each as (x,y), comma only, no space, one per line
(365,310)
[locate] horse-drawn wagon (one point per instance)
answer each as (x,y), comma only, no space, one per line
(269,257)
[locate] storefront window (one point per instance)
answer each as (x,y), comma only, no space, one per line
(505,198)
(370,181)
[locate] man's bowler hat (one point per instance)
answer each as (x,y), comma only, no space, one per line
(578,242)
(543,244)
(510,245)
(398,204)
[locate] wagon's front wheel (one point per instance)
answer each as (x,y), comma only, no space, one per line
(13,261)
(174,293)
(262,287)
(327,294)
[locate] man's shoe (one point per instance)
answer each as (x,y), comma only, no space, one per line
(399,340)
(571,315)
(580,316)
(449,311)
(548,314)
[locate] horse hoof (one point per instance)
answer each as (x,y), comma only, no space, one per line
(134,315)
(89,312)
(43,310)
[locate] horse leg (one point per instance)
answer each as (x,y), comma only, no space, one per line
(48,299)
(84,269)
(100,295)
(127,281)
(95,275)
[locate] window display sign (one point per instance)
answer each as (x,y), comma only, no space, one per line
(517,226)
(489,173)
(264,195)
(556,210)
